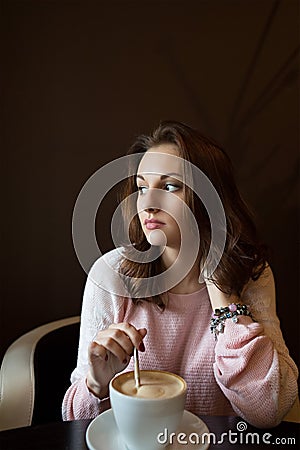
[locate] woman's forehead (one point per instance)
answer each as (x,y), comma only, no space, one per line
(161,160)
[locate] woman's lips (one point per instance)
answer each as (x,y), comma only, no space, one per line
(153,224)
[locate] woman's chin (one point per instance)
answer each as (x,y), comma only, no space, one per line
(157,238)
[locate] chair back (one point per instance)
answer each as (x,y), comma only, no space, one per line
(35,373)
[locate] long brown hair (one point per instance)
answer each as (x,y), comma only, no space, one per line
(244,256)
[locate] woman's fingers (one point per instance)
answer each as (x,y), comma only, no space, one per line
(119,340)
(116,348)
(134,335)
(97,351)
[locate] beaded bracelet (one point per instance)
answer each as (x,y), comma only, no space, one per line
(217,322)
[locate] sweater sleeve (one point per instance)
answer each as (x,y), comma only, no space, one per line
(252,363)
(100,308)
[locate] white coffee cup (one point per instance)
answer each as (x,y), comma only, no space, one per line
(141,416)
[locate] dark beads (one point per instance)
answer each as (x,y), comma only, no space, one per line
(219,316)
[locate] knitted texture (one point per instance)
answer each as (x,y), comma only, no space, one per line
(247,371)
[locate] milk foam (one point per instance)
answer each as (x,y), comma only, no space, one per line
(153,385)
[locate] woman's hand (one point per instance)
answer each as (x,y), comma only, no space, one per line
(110,353)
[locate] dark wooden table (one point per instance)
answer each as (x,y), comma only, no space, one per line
(71,436)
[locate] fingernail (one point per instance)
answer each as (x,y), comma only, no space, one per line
(141,347)
(106,357)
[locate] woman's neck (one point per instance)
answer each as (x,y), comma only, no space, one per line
(190,282)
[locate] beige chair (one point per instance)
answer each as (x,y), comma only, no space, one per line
(35,373)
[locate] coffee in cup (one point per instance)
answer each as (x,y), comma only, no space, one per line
(153,385)
(142,413)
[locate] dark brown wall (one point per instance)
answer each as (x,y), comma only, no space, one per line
(81,79)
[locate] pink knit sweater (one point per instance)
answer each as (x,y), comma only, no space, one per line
(247,371)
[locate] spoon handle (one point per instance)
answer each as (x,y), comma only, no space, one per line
(136,368)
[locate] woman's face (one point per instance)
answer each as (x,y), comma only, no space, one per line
(160,184)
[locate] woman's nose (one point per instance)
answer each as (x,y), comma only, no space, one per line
(151,210)
(151,201)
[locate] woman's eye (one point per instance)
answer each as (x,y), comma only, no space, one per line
(142,189)
(170,187)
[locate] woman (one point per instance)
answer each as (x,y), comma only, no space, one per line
(163,304)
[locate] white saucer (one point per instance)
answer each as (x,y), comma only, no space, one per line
(102,433)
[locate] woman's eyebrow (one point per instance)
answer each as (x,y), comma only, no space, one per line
(167,175)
